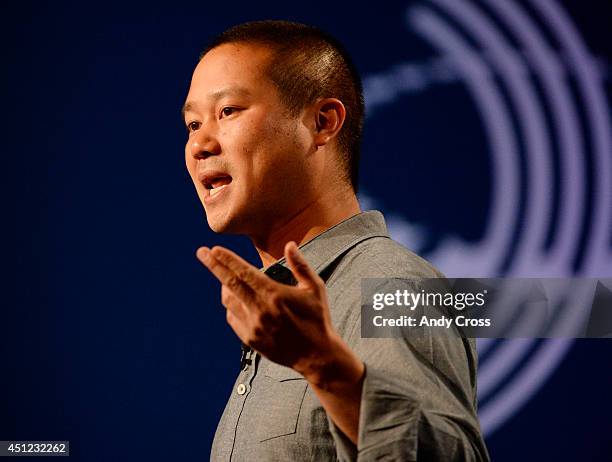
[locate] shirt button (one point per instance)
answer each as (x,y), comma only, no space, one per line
(241,389)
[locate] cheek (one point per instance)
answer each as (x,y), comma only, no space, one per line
(267,152)
(278,163)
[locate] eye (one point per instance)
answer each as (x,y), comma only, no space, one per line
(228,111)
(193,126)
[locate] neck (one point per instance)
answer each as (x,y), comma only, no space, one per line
(310,221)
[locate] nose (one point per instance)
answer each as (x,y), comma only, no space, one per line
(204,144)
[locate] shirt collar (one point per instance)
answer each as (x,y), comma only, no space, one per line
(323,249)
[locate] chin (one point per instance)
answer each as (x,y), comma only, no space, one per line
(217,226)
(223,224)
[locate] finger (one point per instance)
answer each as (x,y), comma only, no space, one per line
(246,272)
(237,326)
(226,276)
(300,268)
(232,303)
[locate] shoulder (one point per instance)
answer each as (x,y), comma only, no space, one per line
(381,257)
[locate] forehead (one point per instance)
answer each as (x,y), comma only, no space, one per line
(231,65)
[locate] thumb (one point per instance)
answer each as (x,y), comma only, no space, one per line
(304,274)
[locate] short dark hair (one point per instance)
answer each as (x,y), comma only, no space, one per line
(309,64)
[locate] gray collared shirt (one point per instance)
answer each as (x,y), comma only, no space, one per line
(419,395)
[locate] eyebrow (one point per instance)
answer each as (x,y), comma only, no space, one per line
(215,96)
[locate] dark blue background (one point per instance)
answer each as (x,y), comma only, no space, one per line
(113,335)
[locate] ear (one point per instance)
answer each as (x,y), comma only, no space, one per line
(329,118)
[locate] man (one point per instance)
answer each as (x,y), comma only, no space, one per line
(274,116)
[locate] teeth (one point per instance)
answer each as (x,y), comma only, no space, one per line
(214,191)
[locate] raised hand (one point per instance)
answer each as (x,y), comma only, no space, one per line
(290,325)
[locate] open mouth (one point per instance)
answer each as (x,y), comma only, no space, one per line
(217,184)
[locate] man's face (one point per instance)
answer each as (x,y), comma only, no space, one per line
(248,158)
